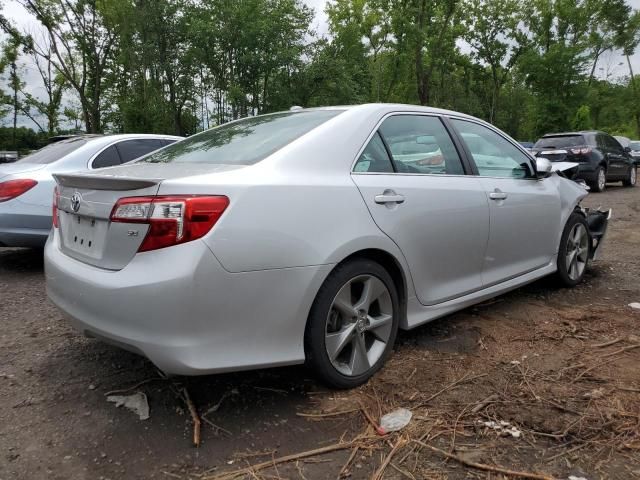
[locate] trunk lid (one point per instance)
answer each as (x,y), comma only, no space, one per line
(86,201)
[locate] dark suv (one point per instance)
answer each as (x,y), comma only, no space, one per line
(601,158)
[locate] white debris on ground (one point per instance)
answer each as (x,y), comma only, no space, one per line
(635,305)
(502,428)
(136,402)
(573,477)
(396,420)
(596,393)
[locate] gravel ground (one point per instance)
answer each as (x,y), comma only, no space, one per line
(533,352)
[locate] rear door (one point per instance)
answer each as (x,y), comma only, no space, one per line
(524,211)
(414,182)
(616,157)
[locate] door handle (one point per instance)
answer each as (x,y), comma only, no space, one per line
(389,196)
(497,194)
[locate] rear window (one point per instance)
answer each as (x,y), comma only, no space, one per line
(54,151)
(243,142)
(560,141)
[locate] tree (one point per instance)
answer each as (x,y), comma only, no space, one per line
(81,38)
(493,31)
(10,54)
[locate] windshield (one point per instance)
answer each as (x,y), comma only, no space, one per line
(560,141)
(54,151)
(244,142)
(635,146)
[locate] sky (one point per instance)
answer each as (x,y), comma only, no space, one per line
(611,65)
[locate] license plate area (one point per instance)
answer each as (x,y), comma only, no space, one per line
(84,235)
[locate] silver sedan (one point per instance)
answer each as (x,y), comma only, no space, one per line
(310,235)
(26,186)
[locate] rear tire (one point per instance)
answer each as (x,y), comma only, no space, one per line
(352,324)
(631,179)
(600,182)
(574,252)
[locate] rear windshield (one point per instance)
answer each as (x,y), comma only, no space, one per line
(244,142)
(54,151)
(560,141)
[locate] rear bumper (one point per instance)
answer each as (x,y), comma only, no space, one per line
(586,172)
(23,226)
(178,307)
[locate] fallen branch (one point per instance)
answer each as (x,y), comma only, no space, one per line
(252,469)
(482,466)
(620,350)
(194,417)
(484,403)
(607,344)
(380,472)
(464,378)
(328,414)
(139,384)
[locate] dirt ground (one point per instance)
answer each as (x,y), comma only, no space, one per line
(557,367)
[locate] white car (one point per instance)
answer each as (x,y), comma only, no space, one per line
(26,186)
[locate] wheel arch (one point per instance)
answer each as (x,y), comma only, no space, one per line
(391,264)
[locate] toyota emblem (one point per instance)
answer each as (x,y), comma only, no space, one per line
(76,198)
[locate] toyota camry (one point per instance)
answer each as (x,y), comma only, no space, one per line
(311,235)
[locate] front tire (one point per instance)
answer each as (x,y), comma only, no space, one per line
(352,324)
(600,182)
(631,179)
(574,252)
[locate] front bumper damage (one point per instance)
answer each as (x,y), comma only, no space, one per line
(598,220)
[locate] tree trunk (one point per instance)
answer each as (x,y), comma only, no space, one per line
(636,109)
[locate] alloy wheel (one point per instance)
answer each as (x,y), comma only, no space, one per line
(359,325)
(577,251)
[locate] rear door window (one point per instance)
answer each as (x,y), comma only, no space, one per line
(420,144)
(107,158)
(132,149)
(374,158)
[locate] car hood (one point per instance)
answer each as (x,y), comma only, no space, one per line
(18,168)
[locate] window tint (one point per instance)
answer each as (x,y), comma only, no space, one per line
(132,149)
(244,142)
(374,158)
(54,151)
(493,154)
(107,158)
(612,144)
(560,141)
(420,144)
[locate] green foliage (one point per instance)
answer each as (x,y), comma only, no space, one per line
(179,66)
(582,119)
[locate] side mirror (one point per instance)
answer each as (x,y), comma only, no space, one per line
(627,149)
(543,167)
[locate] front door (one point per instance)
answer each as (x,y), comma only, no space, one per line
(524,211)
(414,184)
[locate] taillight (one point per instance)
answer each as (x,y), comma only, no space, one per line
(172,219)
(581,151)
(14,188)
(56,198)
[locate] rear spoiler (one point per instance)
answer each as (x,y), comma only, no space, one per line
(104,182)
